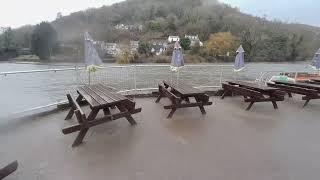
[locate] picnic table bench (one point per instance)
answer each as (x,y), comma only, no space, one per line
(309,91)
(9,169)
(99,97)
(253,92)
(177,93)
(311,81)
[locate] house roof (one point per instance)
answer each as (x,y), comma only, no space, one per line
(173,36)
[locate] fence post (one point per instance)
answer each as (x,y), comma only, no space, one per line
(134,79)
(77,76)
(221,74)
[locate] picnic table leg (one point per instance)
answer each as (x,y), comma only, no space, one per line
(203,111)
(106,111)
(171,113)
(159,98)
(160,94)
(80,137)
(275,105)
(306,103)
(128,117)
(224,94)
(71,112)
(9,169)
(250,105)
(93,114)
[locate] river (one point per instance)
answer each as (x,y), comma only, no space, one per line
(20,92)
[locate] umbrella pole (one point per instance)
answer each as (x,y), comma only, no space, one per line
(178,76)
(89,78)
(171,77)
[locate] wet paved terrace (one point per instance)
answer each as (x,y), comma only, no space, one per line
(228,143)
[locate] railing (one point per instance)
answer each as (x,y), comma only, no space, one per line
(31,90)
(267,75)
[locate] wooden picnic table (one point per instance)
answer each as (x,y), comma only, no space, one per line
(300,84)
(311,81)
(177,93)
(315,80)
(253,92)
(308,90)
(9,169)
(99,97)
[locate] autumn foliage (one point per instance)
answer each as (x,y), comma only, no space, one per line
(219,44)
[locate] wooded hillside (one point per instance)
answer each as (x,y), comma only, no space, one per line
(262,40)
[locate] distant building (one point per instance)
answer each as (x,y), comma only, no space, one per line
(173,39)
(134,45)
(158,49)
(111,48)
(194,39)
(129,27)
(158,46)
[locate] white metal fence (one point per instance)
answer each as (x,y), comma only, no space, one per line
(30,90)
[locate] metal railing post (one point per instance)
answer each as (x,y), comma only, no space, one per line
(135,79)
(77,76)
(221,74)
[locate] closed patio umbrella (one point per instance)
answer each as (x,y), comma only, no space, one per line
(91,55)
(92,58)
(177,59)
(239,61)
(316,61)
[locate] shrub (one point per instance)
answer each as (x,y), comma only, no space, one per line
(124,57)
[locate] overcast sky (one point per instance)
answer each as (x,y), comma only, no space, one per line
(301,11)
(16,13)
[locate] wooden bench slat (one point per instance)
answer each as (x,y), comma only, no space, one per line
(94,96)
(299,84)
(253,86)
(242,91)
(110,94)
(107,97)
(295,89)
(184,89)
(169,94)
(92,102)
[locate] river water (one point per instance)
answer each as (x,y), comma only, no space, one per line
(20,92)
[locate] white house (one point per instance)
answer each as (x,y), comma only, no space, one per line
(111,48)
(131,27)
(158,49)
(173,39)
(158,46)
(134,45)
(194,39)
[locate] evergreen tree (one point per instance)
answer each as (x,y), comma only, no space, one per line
(44,40)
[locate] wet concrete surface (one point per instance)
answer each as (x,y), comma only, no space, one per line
(228,143)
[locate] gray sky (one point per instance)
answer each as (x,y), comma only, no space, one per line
(301,11)
(16,13)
